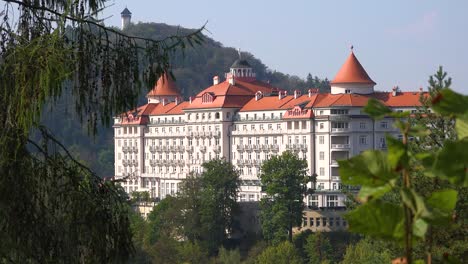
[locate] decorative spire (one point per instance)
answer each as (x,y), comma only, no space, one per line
(352,47)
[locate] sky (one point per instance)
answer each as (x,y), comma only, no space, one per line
(399,42)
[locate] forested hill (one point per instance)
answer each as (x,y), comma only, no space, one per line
(194,71)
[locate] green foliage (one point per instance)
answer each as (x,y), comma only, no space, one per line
(164,220)
(366,252)
(53,209)
(229,256)
(381,173)
(284,178)
(283,253)
(318,248)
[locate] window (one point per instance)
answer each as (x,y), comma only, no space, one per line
(321,112)
(383,143)
(278,126)
(251,197)
(321,155)
(242,197)
(317,221)
(363,140)
(304,140)
(321,125)
(321,139)
(257,141)
(324,221)
(334,185)
(362,125)
(228,115)
(338,221)
(384,124)
(332,200)
(322,171)
(331,221)
(270,127)
(339,125)
(252,127)
(313,200)
(304,221)
(339,111)
(311,220)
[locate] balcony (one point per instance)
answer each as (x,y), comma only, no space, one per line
(153,163)
(217,134)
(217,149)
(344,118)
(240,147)
(334,162)
(203,148)
(152,149)
(342,129)
(135,149)
(125,163)
(126,149)
(189,148)
(340,146)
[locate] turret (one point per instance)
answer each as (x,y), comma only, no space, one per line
(126,17)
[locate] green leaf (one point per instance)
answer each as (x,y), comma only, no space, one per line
(442,203)
(415,202)
(367,193)
(451,162)
(379,219)
(376,109)
(397,153)
(461,126)
(419,131)
(449,102)
(370,168)
(420,228)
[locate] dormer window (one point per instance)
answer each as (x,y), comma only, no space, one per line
(208,97)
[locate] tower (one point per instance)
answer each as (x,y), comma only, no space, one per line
(126,16)
(352,78)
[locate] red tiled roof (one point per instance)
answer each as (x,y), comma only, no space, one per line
(227,95)
(165,86)
(352,72)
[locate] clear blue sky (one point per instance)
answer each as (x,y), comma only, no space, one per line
(399,42)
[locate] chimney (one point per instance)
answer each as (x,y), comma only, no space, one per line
(282,94)
(177,100)
(231,80)
(258,95)
(190,99)
(164,101)
(297,94)
(420,89)
(395,91)
(215,80)
(313,91)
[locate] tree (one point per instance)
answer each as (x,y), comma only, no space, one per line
(229,256)
(366,252)
(284,181)
(318,248)
(378,173)
(164,220)
(52,207)
(283,253)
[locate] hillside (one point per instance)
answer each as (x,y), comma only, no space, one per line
(193,70)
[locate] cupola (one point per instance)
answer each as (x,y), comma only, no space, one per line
(165,89)
(242,70)
(352,78)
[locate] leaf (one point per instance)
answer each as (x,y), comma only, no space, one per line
(415,202)
(442,203)
(419,131)
(370,168)
(376,109)
(449,102)
(451,162)
(397,153)
(379,219)
(461,126)
(420,228)
(367,193)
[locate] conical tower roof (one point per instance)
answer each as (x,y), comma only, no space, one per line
(165,86)
(126,12)
(352,72)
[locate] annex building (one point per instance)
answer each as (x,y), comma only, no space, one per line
(246,121)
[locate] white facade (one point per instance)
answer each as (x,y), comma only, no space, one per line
(155,152)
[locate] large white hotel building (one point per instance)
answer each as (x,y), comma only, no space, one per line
(246,121)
